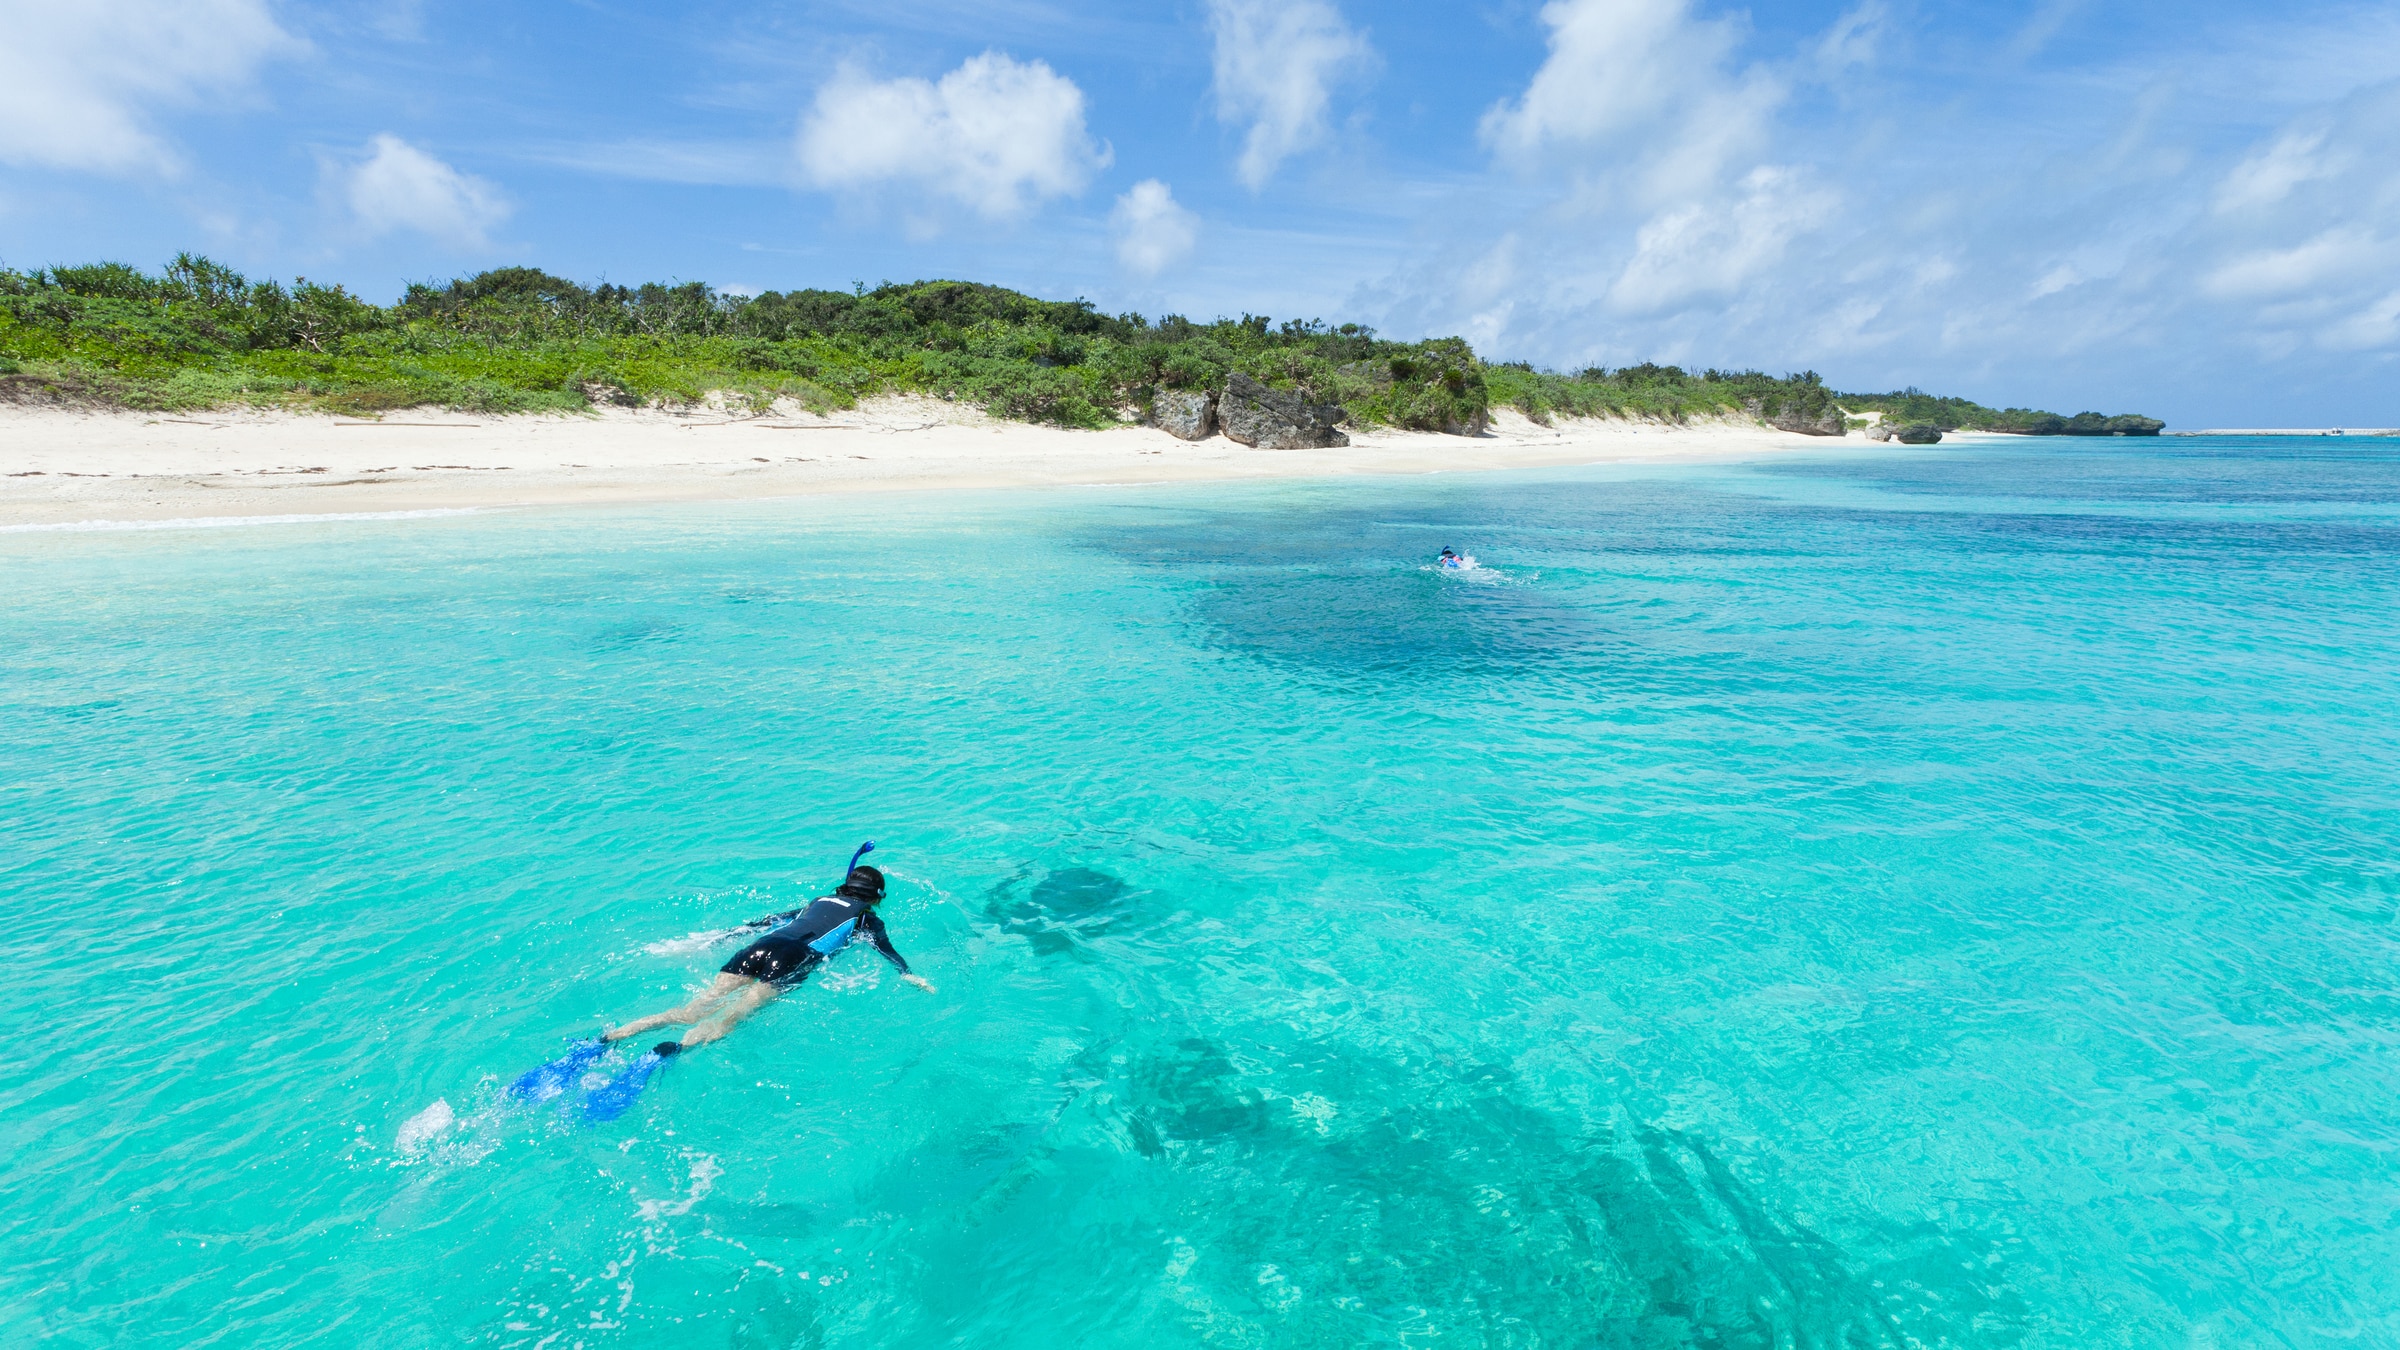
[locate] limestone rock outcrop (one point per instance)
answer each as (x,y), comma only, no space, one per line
(2093,424)
(1918,433)
(1187,414)
(1826,420)
(1271,419)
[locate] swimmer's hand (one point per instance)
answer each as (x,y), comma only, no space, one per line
(921,982)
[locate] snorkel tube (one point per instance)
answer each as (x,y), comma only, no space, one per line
(863,850)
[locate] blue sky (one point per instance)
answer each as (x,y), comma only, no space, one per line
(2186,209)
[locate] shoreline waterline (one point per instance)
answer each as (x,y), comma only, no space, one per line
(63,469)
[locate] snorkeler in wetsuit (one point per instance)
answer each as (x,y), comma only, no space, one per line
(1449,559)
(797,941)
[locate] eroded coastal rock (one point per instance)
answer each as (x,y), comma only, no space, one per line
(1907,433)
(1271,419)
(2093,424)
(1188,414)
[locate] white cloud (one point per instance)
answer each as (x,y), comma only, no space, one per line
(1854,38)
(2269,176)
(1642,82)
(1490,281)
(1666,201)
(83,77)
(1713,249)
(995,135)
(399,187)
(2338,254)
(2102,227)
(2378,325)
(2055,280)
(1276,64)
(1153,230)
(1606,72)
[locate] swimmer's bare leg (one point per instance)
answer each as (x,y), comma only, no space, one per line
(741,1005)
(689,1013)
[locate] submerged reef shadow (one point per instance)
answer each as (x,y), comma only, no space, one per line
(1061,912)
(632,633)
(1338,1200)
(1348,590)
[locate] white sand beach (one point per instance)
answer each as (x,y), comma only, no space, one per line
(60,468)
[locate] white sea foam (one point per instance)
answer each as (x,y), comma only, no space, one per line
(1473,573)
(424,1127)
(859,976)
(705,1172)
(229,522)
(690,944)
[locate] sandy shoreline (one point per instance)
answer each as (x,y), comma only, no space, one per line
(60,468)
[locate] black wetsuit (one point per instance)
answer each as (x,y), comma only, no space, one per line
(803,938)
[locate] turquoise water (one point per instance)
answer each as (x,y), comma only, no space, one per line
(1936,897)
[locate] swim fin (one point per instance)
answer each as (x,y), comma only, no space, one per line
(616,1096)
(540,1085)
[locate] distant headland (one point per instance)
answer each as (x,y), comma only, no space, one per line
(199,335)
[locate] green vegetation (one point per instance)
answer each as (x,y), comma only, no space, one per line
(519,340)
(1664,393)
(1952,414)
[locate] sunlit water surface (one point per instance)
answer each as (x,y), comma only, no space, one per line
(1935,897)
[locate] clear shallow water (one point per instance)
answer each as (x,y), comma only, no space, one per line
(1939,897)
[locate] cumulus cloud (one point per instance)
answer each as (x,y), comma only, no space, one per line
(1661,143)
(1669,189)
(84,78)
(1153,230)
(995,135)
(2101,228)
(1604,74)
(1715,248)
(1644,76)
(399,187)
(2296,243)
(1276,64)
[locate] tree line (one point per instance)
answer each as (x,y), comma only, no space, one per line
(516,339)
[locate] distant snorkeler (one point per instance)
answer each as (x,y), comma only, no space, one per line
(797,941)
(1450,559)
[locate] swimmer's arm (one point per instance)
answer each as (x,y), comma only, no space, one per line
(871,924)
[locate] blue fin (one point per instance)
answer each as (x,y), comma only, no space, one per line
(616,1096)
(540,1085)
